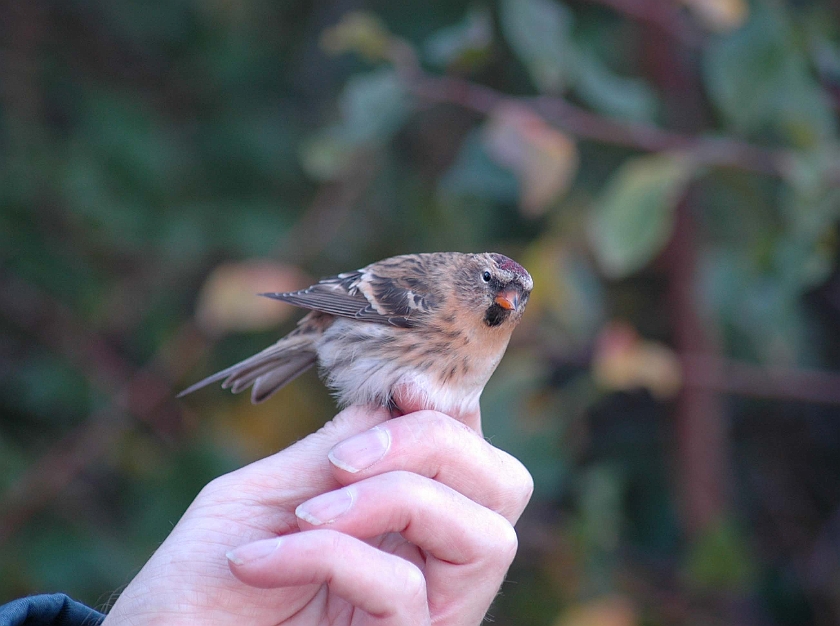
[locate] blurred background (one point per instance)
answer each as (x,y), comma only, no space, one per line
(668,170)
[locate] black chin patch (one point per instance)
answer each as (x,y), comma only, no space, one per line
(495,315)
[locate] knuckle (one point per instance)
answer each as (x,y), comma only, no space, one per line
(526,488)
(507,544)
(519,487)
(498,544)
(215,490)
(414,583)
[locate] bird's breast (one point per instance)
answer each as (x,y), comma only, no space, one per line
(368,363)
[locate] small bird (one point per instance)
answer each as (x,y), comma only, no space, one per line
(416,331)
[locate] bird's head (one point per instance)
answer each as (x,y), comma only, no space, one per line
(497,286)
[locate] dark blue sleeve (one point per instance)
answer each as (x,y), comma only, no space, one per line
(48,610)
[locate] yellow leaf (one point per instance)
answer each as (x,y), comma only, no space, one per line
(360,32)
(624,361)
(612,610)
(719,15)
(543,159)
(228,300)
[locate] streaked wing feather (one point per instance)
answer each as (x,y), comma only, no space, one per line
(393,293)
(333,302)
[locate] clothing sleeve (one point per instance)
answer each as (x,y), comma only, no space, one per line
(48,610)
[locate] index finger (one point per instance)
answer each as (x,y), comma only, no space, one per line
(441,448)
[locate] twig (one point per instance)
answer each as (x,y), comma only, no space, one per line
(661,14)
(736,377)
(584,124)
(702,445)
(720,151)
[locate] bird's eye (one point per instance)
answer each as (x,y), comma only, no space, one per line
(485,276)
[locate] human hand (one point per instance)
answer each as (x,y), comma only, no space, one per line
(426,533)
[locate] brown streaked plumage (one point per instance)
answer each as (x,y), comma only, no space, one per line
(417,330)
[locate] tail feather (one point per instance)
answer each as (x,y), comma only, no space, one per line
(277,365)
(267,384)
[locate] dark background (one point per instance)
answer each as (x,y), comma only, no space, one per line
(668,172)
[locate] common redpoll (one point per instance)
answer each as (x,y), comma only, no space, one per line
(417,331)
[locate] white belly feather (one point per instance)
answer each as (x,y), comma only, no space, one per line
(364,365)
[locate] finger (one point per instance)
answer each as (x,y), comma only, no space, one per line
(469,548)
(390,589)
(448,525)
(436,446)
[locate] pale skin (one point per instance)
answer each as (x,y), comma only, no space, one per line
(369,521)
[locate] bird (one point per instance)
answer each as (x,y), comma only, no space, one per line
(410,332)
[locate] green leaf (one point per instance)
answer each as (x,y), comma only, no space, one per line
(633,219)
(761,314)
(759,79)
(373,106)
(721,559)
(475,174)
(325,155)
(805,256)
(464,44)
(609,93)
(539,32)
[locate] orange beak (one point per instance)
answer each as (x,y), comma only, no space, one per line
(508,299)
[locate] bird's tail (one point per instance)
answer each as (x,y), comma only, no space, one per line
(267,371)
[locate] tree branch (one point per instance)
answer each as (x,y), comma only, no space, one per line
(661,14)
(584,124)
(704,371)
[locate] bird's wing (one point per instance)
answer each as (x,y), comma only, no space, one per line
(394,292)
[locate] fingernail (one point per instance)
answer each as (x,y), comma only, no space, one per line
(253,551)
(362,450)
(325,508)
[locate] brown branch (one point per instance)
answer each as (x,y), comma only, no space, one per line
(703,371)
(577,121)
(661,14)
(702,445)
(724,151)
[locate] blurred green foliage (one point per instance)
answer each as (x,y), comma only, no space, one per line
(670,174)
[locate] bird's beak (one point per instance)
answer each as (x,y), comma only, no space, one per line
(508,299)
